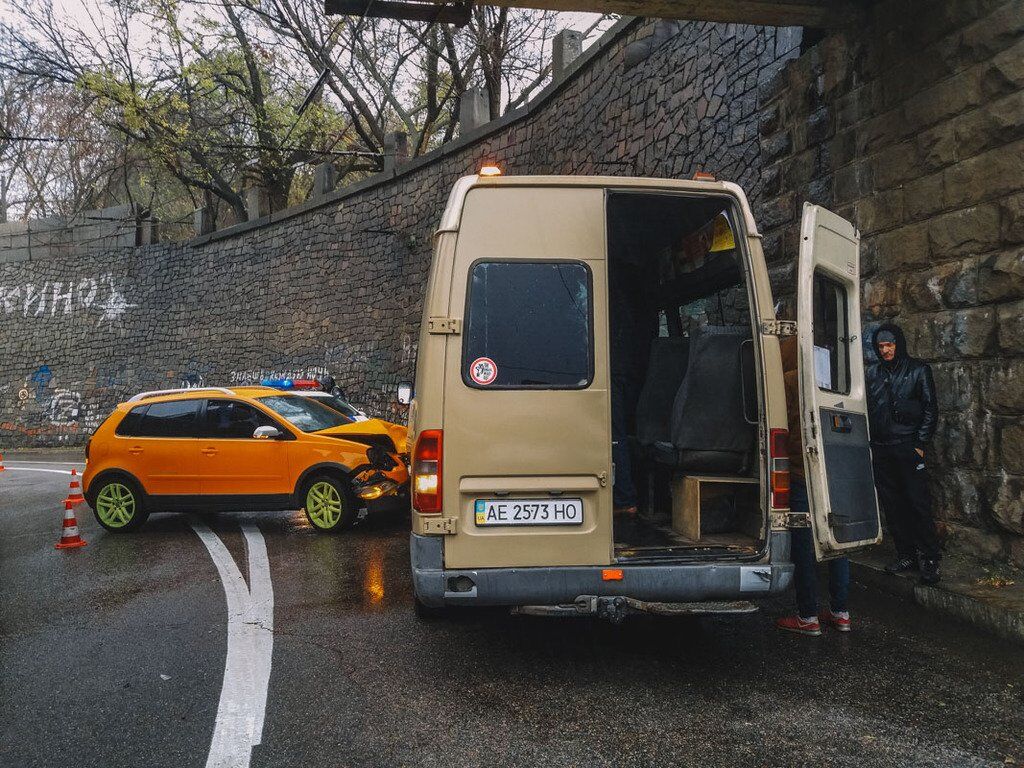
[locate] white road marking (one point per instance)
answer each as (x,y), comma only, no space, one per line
(59,463)
(243,695)
(37,469)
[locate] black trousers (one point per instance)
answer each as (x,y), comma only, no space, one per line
(902,482)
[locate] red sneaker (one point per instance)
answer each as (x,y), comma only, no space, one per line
(798,625)
(839,622)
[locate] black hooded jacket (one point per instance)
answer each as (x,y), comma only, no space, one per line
(902,405)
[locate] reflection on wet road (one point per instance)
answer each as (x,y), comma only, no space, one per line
(89,637)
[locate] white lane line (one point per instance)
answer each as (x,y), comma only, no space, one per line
(37,469)
(58,463)
(243,695)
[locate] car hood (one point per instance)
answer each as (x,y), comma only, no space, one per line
(371,427)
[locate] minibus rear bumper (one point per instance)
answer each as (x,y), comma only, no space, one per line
(436,586)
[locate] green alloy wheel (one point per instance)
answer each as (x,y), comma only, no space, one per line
(119,506)
(329,505)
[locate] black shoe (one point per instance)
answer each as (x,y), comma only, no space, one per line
(930,571)
(901,565)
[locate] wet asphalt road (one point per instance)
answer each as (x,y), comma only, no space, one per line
(113,655)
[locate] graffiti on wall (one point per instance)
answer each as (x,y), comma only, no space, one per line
(255,375)
(98,296)
(43,405)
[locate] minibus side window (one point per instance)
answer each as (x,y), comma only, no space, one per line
(528,326)
(831,336)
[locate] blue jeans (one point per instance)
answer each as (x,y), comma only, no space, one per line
(805,575)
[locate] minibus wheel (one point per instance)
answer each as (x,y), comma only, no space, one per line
(329,504)
(118,503)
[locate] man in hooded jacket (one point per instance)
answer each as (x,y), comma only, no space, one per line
(903,414)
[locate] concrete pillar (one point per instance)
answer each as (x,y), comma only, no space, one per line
(565,49)
(324,179)
(396,150)
(257,202)
(203,221)
(148,231)
(474,110)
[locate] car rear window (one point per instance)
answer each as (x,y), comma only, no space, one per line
(174,418)
(528,326)
(129,425)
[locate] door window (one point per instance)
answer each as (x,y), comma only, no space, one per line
(528,326)
(230,419)
(831,336)
(175,418)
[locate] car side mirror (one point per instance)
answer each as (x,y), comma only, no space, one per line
(267,433)
(405,393)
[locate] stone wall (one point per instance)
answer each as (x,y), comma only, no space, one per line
(334,286)
(913,128)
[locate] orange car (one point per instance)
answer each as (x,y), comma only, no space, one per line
(241,448)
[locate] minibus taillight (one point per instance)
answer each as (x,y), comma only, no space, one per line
(779,457)
(426,473)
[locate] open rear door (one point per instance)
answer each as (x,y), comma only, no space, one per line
(833,399)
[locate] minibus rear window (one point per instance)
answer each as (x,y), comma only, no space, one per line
(528,326)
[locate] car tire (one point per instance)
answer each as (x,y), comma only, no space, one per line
(329,504)
(118,503)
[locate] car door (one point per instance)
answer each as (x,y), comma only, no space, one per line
(234,463)
(833,399)
(527,437)
(162,450)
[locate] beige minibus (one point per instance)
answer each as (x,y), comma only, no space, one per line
(566,314)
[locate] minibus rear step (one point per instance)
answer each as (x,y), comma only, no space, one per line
(615,609)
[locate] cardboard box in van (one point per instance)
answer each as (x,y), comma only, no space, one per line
(593,345)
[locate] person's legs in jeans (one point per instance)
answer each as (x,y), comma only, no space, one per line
(805,577)
(839,584)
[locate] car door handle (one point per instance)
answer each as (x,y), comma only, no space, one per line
(135,450)
(210,451)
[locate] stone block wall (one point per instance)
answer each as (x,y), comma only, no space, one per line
(335,285)
(913,128)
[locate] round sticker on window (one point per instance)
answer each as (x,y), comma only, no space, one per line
(483,371)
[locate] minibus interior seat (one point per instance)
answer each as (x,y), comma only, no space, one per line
(666,368)
(709,427)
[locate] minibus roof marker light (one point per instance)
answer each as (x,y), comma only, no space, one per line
(490,170)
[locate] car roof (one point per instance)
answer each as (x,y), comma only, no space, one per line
(196,393)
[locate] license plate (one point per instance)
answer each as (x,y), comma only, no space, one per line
(528,511)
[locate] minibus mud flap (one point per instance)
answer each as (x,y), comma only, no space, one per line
(615,609)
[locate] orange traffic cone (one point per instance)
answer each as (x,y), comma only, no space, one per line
(74,490)
(69,537)
(2,467)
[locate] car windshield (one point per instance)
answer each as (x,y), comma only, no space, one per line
(305,413)
(337,404)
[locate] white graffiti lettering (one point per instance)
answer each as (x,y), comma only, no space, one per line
(255,375)
(63,298)
(87,288)
(58,297)
(10,298)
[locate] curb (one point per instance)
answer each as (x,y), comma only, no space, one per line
(998,612)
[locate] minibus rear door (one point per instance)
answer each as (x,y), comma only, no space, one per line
(833,401)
